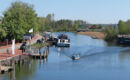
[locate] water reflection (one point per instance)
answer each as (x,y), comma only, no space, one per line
(98,62)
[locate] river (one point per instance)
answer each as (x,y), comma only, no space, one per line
(99,61)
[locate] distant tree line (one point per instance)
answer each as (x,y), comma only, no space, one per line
(49,24)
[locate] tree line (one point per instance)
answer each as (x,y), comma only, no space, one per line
(49,24)
(20,17)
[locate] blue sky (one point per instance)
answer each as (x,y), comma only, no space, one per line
(92,11)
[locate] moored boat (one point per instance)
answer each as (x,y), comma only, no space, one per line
(50,38)
(94,37)
(63,41)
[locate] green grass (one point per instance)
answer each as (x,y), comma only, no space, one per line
(37,45)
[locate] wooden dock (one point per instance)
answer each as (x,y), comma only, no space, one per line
(123,39)
(39,55)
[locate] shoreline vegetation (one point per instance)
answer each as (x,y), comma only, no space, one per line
(37,45)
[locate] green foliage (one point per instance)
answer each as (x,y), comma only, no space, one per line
(18,19)
(76,25)
(122,27)
(2,32)
(46,23)
(63,25)
(37,45)
(41,24)
(127,25)
(49,24)
(80,24)
(111,33)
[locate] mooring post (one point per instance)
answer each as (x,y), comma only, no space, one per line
(47,59)
(13,60)
(40,53)
(23,59)
(0,66)
(19,60)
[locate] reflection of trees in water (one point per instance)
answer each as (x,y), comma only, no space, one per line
(21,71)
(125,55)
(24,70)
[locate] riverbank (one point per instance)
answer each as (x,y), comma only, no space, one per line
(17,45)
(3,53)
(99,35)
(7,60)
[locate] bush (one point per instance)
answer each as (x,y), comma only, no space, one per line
(111,33)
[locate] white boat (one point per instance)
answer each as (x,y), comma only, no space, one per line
(76,57)
(63,41)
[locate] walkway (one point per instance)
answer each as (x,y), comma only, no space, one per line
(3,54)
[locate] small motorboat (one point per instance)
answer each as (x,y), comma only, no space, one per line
(76,57)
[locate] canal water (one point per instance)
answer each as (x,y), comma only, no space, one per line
(99,61)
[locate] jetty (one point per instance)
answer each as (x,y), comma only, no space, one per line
(40,55)
(123,39)
(8,61)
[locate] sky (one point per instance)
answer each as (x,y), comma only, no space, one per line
(92,11)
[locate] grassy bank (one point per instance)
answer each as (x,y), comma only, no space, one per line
(37,45)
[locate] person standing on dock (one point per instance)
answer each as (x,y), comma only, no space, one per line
(24,46)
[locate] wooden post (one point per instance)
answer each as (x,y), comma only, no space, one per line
(19,60)
(0,66)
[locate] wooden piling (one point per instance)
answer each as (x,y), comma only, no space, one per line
(0,66)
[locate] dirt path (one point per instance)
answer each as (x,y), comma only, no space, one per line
(99,35)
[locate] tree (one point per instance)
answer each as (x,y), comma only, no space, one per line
(49,22)
(41,24)
(64,25)
(127,24)
(122,27)
(18,19)
(80,24)
(2,33)
(76,25)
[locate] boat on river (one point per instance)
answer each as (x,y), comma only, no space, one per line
(76,57)
(63,41)
(94,37)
